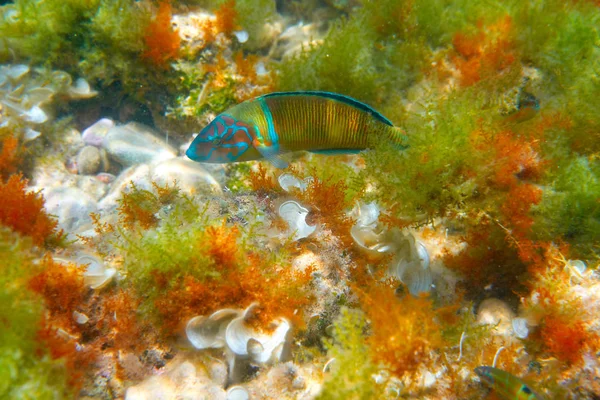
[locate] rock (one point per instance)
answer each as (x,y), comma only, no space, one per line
(93,186)
(94,135)
(496,312)
(89,160)
(191,178)
(189,175)
(134,143)
(180,381)
(72,206)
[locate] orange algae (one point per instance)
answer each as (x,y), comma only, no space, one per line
(227,15)
(261,181)
(140,206)
(9,157)
(485,52)
(563,321)
(239,280)
(404,331)
(162,41)
(121,322)
(223,247)
(564,338)
(24,212)
(328,203)
(62,288)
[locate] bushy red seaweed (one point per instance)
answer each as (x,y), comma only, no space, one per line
(23,211)
(162,41)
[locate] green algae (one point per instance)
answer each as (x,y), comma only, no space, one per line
(26,369)
(570,210)
(351,372)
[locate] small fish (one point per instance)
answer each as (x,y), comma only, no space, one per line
(527,107)
(506,385)
(277,123)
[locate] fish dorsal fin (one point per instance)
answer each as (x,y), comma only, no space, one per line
(335,96)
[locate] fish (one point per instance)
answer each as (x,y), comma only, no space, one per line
(527,107)
(506,385)
(282,122)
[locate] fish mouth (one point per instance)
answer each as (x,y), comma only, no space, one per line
(193,155)
(484,375)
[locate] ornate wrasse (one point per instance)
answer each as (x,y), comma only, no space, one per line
(506,385)
(277,123)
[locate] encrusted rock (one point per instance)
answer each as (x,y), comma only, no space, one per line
(89,160)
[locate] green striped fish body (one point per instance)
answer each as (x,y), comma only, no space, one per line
(292,121)
(506,385)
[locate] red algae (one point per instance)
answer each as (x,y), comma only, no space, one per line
(404,330)
(62,288)
(24,212)
(329,207)
(484,53)
(162,41)
(9,157)
(226,18)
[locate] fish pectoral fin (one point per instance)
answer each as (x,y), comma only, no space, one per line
(334,152)
(272,155)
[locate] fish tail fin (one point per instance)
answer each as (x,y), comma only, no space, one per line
(398,137)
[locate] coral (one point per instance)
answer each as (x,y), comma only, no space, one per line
(162,41)
(24,212)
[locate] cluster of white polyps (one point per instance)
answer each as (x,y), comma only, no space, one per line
(228,329)
(410,263)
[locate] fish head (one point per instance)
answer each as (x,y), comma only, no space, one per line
(485,374)
(226,139)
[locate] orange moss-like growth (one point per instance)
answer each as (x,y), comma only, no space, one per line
(140,206)
(261,181)
(564,338)
(223,245)
(226,18)
(240,279)
(120,322)
(62,288)
(246,65)
(404,331)
(517,205)
(24,212)
(485,52)
(562,318)
(328,203)
(162,41)
(9,157)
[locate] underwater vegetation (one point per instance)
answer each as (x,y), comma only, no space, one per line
(467,258)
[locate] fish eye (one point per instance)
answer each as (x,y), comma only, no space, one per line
(217,141)
(526,390)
